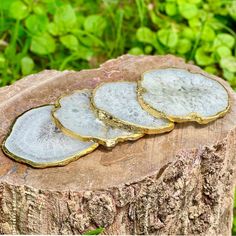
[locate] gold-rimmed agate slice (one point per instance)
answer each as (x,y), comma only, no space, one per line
(116,102)
(75,116)
(180,95)
(34,139)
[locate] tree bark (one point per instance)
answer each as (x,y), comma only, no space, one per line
(176,183)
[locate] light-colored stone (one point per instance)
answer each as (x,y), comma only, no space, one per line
(35,140)
(117,102)
(75,116)
(182,95)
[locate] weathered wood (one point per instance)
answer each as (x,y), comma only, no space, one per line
(176,183)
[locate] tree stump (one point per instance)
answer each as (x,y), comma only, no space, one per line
(175,183)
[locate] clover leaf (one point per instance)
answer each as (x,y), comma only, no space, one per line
(188,10)
(36,24)
(145,35)
(18,10)
(224,39)
(70,42)
(228,63)
(203,57)
(65,19)
(95,24)
(168,37)
(43,44)
(27,65)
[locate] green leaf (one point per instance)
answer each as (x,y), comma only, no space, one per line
(145,35)
(224,39)
(80,20)
(208,34)
(188,33)
(232,10)
(223,52)
(95,24)
(53,29)
(2,61)
(195,23)
(94,232)
(39,9)
(28,2)
(229,76)
(65,19)
(211,69)
(215,23)
(88,39)
(36,24)
(18,10)
(156,20)
(136,51)
(148,49)
(43,45)
(84,53)
(70,42)
(228,63)
(5,5)
(195,1)
(188,10)
(128,12)
(202,57)
(171,8)
(184,46)
(168,37)
(27,65)
(49,1)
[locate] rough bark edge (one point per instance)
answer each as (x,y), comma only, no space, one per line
(193,195)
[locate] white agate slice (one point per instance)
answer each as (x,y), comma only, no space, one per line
(34,139)
(118,101)
(75,116)
(182,96)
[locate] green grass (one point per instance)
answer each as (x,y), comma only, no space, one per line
(78,34)
(95,231)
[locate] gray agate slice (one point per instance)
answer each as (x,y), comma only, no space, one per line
(75,116)
(35,140)
(181,95)
(117,101)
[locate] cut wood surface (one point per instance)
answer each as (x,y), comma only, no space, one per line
(175,183)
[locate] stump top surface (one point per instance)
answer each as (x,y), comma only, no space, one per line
(127,162)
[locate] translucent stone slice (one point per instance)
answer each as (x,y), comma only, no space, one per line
(75,116)
(182,96)
(35,140)
(117,101)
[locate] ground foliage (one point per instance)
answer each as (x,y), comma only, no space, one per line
(76,34)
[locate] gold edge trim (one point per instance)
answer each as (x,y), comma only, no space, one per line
(105,142)
(110,119)
(193,116)
(38,164)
